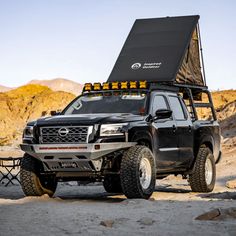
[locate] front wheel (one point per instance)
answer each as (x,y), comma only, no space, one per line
(202,179)
(138,172)
(32,182)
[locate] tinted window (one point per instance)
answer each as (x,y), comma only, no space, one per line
(177,108)
(109,103)
(159,103)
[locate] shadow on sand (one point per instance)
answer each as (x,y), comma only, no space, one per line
(98,197)
(223,195)
(169,189)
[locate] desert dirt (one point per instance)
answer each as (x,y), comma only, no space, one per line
(89,210)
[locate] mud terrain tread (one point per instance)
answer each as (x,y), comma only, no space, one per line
(27,176)
(197,178)
(130,174)
(30,182)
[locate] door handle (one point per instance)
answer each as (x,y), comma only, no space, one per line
(189,129)
(174,128)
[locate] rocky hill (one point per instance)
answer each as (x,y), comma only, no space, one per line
(224,102)
(26,103)
(227,118)
(60,85)
(225,105)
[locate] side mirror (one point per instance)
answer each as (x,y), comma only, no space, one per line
(55,113)
(163,114)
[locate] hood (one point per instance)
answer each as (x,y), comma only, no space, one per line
(88,119)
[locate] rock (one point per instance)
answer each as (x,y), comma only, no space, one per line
(229,213)
(151,199)
(146,221)
(219,215)
(107,223)
(231,184)
(45,197)
(211,215)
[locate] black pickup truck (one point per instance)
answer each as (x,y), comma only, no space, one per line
(149,120)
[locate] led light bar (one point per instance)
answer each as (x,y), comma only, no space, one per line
(96,86)
(143,84)
(87,87)
(124,85)
(105,86)
(115,85)
(133,84)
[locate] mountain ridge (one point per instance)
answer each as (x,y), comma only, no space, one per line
(57,84)
(60,84)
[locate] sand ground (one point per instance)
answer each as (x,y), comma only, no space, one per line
(85,210)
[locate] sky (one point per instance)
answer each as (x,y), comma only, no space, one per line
(81,40)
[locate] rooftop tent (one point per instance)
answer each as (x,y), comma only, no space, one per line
(161,50)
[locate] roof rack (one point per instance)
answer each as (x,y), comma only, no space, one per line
(191,92)
(194,95)
(130,85)
(176,86)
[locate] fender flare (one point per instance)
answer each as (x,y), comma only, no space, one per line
(142,135)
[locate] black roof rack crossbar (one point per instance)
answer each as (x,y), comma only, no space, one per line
(202,104)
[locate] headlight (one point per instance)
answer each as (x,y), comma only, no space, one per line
(112,129)
(28,132)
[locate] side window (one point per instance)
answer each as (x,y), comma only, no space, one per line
(159,102)
(177,108)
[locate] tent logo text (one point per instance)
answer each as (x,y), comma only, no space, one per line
(146,65)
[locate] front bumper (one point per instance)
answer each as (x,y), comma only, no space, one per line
(73,157)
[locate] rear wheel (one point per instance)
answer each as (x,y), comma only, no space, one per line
(112,184)
(32,182)
(202,179)
(138,172)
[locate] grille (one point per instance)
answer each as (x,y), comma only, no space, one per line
(78,134)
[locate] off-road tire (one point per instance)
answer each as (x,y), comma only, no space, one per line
(130,172)
(32,183)
(198,179)
(112,184)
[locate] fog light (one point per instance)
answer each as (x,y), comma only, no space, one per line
(142,84)
(105,86)
(96,86)
(87,87)
(115,85)
(124,85)
(133,84)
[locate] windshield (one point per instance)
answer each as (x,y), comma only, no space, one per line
(108,103)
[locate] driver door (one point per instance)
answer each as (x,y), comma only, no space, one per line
(165,138)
